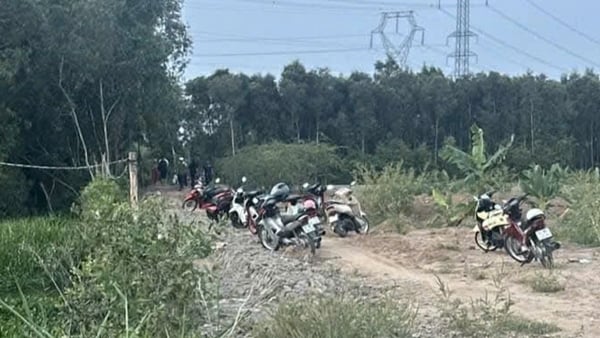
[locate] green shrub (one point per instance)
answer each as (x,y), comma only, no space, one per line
(30,246)
(389,193)
(542,184)
(338,317)
(265,165)
(581,223)
(136,277)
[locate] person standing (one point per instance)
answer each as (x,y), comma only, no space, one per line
(163,166)
(193,170)
(181,173)
(208,173)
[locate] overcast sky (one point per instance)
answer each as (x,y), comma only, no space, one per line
(262,36)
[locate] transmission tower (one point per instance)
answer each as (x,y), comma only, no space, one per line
(399,53)
(462,35)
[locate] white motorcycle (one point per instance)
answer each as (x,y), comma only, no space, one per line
(344,213)
(237,213)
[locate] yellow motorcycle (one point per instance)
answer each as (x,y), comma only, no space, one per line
(491,220)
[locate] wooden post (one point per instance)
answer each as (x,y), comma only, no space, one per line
(133,179)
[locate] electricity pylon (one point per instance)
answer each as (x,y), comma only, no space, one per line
(399,53)
(462,35)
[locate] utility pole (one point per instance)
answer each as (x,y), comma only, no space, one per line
(400,54)
(462,35)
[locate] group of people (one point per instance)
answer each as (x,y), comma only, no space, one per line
(183,171)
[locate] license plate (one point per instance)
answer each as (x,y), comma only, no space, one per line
(543,234)
(333,218)
(314,221)
(308,228)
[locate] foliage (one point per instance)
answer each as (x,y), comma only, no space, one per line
(487,316)
(476,165)
(451,211)
(34,249)
(338,317)
(547,283)
(581,222)
(268,164)
(389,193)
(136,276)
(542,184)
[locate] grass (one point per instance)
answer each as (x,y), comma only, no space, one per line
(546,283)
(26,243)
(488,316)
(338,317)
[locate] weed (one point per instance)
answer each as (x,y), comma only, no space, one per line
(486,316)
(546,283)
(338,317)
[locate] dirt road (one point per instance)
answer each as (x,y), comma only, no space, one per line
(415,259)
(451,254)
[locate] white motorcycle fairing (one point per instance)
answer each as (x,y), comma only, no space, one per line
(239,210)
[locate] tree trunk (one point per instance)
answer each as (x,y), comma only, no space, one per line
(435,147)
(531,123)
(232,134)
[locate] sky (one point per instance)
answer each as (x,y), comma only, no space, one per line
(553,37)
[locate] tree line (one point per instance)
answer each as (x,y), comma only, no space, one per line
(85,81)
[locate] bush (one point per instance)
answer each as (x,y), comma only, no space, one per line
(338,317)
(389,193)
(137,276)
(13,192)
(542,184)
(581,222)
(265,165)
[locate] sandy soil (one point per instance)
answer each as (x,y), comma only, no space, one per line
(415,259)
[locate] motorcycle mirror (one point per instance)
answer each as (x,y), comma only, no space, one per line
(352,183)
(244,179)
(218,180)
(305,185)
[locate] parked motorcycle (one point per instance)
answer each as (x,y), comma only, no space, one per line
(237,213)
(316,192)
(275,230)
(215,199)
(344,212)
(529,240)
(490,221)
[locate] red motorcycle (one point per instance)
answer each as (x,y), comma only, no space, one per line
(530,240)
(215,199)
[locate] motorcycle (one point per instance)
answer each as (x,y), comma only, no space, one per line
(529,240)
(490,219)
(275,230)
(344,212)
(316,192)
(237,213)
(215,199)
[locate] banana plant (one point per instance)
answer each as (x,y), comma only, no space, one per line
(476,165)
(453,213)
(543,184)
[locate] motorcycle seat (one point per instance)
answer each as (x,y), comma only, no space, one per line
(294,198)
(286,218)
(215,190)
(253,193)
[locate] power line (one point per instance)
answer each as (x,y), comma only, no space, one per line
(45,167)
(565,24)
(507,45)
(537,35)
(289,52)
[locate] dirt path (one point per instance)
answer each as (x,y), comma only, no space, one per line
(449,253)
(414,260)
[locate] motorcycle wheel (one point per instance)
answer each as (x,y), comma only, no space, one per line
(363,228)
(265,239)
(512,247)
(546,257)
(340,227)
(189,205)
(235,221)
(309,241)
(483,245)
